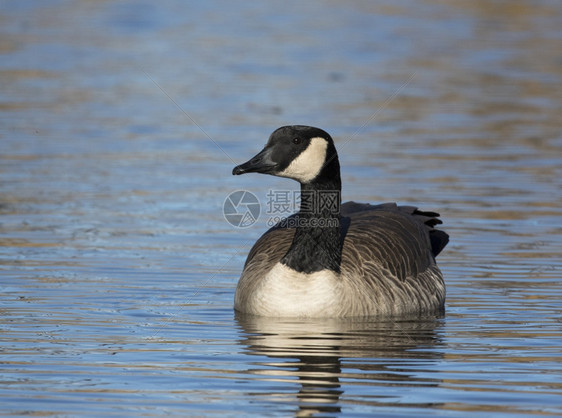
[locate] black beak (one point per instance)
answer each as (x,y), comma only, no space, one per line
(261,163)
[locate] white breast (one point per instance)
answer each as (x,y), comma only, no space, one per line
(285,292)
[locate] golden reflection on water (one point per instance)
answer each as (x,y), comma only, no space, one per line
(323,354)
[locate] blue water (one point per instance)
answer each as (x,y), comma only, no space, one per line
(120,123)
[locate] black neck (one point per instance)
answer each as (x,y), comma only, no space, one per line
(317,242)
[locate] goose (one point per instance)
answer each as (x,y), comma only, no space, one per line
(333,260)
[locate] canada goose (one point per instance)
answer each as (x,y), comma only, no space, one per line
(332,260)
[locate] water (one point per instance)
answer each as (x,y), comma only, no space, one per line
(120,123)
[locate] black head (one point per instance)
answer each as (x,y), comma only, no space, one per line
(302,153)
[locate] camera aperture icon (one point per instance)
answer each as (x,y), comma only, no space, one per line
(241,209)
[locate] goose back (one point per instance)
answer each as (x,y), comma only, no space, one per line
(387,267)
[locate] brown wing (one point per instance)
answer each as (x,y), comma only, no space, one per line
(398,238)
(438,239)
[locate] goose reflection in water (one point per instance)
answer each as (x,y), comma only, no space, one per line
(322,353)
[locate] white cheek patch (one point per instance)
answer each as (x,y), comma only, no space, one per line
(309,163)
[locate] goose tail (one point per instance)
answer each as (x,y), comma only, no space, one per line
(438,238)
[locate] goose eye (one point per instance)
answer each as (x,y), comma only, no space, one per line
(296,141)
